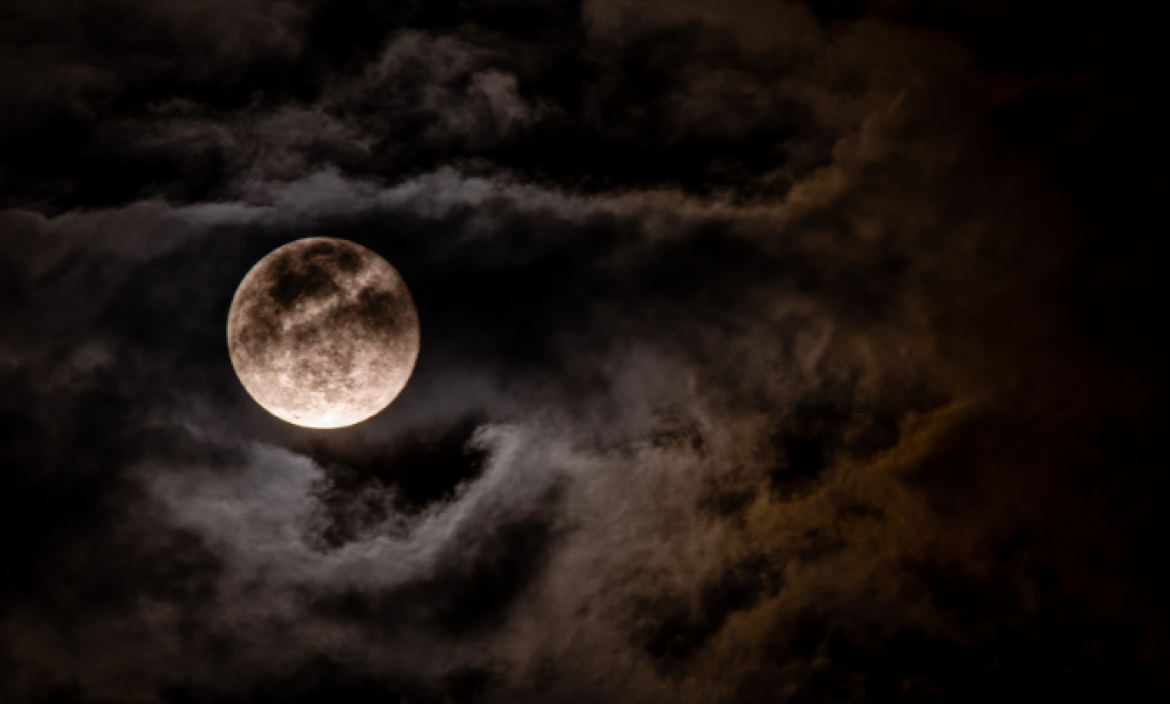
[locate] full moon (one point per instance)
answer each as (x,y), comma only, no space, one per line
(323,333)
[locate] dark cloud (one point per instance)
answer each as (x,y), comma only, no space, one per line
(802,351)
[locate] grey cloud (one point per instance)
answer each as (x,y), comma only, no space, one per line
(422,92)
(835,440)
(123,41)
(449,86)
(626,509)
(253,517)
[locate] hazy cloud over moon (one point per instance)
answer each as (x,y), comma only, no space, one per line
(775,351)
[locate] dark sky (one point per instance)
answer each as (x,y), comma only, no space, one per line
(771,352)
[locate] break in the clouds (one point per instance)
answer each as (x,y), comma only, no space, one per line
(770,352)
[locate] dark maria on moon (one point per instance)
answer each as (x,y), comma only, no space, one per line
(579,352)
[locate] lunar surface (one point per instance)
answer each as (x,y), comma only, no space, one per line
(323,333)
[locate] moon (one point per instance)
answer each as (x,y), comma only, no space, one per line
(323,333)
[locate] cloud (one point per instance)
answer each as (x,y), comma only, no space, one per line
(765,380)
(599,465)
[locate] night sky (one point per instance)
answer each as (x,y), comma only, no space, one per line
(772,351)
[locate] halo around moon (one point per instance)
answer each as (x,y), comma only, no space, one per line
(323,333)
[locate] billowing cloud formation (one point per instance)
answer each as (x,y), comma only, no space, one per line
(771,351)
